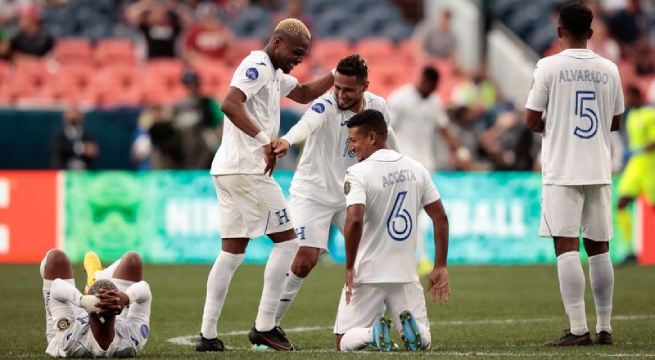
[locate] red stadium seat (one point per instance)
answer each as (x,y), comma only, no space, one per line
(326,53)
(240,48)
(375,49)
(73,50)
(168,70)
(115,51)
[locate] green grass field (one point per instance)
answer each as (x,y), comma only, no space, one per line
(494,311)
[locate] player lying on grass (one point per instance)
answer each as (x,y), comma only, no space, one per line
(112,320)
(385,192)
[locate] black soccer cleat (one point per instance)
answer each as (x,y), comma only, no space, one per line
(275,339)
(571,340)
(603,338)
(209,345)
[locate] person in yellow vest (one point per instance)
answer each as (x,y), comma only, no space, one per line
(638,177)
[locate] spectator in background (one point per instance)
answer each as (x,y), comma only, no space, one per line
(166,150)
(294,10)
(433,38)
(198,120)
(209,38)
(602,44)
(509,145)
(32,39)
(414,106)
(644,58)
(73,148)
(9,10)
(160,23)
(478,94)
(628,25)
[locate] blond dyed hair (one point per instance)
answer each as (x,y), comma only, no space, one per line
(293,27)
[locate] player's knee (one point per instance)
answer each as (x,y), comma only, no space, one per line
(132,263)
(337,340)
(304,262)
(57,258)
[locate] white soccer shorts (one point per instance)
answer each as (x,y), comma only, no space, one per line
(251,206)
(368,302)
(566,209)
(312,221)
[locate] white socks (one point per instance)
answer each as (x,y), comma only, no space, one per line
(572,286)
(108,272)
(601,276)
(289,293)
(356,339)
(275,276)
(218,283)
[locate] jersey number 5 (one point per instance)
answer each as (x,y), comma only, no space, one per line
(399,224)
(585,113)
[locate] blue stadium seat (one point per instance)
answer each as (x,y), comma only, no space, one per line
(250,20)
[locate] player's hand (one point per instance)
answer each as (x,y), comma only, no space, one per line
(111,302)
(270,158)
(350,278)
(439,285)
(280,147)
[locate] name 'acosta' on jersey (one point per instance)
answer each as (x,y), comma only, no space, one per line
(398,177)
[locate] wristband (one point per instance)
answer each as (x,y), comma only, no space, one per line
(130,296)
(88,303)
(262,138)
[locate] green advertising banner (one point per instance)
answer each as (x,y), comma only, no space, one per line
(173,217)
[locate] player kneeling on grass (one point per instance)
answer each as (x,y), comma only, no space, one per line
(112,320)
(384,193)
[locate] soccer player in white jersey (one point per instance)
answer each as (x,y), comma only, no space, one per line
(251,203)
(111,321)
(317,188)
(580,94)
(384,193)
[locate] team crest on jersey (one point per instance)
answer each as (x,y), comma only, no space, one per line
(252,74)
(63,324)
(346,187)
(318,107)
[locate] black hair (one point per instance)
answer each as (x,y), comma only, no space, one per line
(632,89)
(370,120)
(575,18)
(431,74)
(353,65)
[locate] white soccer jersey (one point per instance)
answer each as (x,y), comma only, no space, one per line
(415,120)
(326,158)
(580,92)
(394,188)
(264,87)
(73,336)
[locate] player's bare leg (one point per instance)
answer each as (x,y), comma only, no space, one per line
(55,265)
(601,276)
(265,332)
(228,260)
(572,286)
(305,260)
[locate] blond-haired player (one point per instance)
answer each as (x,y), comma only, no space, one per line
(252,203)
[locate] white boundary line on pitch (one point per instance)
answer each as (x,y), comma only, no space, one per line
(189,340)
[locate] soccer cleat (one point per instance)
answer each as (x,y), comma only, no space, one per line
(412,334)
(382,334)
(603,338)
(91,266)
(571,340)
(275,339)
(209,345)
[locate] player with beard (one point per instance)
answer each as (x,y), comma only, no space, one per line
(317,197)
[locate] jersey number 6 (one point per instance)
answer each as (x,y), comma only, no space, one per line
(399,224)
(585,113)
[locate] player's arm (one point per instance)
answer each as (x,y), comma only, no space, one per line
(313,118)
(309,91)
(137,296)
(235,110)
(354,226)
(617,120)
(537,100)
(438,282)
(353,235)
(534,121)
